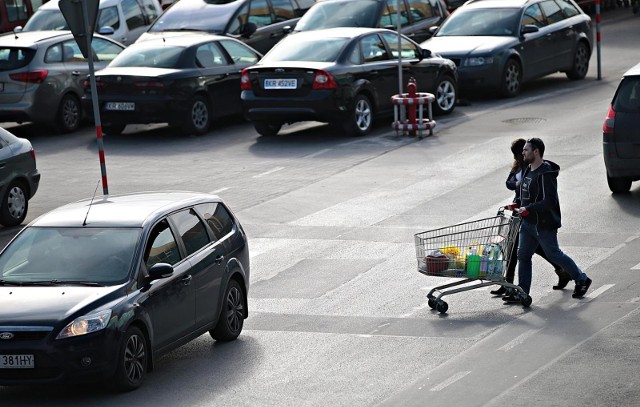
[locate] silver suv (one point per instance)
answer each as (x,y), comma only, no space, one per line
(621,134)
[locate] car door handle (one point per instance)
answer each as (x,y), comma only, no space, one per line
(219,259)
(187,280)
(76,73)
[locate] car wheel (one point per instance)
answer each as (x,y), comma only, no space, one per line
(267,129)
(360,121)
(15,204)
(446,95)
(69,114)
(619,185)
(113,129)
(580,63)
(511,79)
(198,117)
(132,360)
(232,314)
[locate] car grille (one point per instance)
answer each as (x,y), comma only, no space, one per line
(25,333)
(29,374)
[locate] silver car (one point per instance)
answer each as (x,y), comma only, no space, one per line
(41,75)
(19,177)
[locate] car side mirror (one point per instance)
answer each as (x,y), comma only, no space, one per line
(106,30)
(287,29)
(432,30)
(160,270)
(249,29)
(17,29)
(528,29)
(426,53)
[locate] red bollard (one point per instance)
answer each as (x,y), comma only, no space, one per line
(412,89)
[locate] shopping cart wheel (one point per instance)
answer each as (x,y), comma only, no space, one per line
(442,307)
(526,301)
(432,303)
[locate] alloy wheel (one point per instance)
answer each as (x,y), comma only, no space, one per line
(234,309)
(134,358)
(200,115)
(363,115)
(16,202)
(445,96)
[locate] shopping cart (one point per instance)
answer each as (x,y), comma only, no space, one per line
(477,252)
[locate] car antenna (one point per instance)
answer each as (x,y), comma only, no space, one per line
(90,203)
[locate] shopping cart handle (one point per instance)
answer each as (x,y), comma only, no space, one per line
(512,206)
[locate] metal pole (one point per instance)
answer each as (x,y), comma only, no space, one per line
(598,38)
(399,51)
(94,100)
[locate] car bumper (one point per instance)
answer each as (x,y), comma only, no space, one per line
(161,110)
(34,182)
(322,106)
(620,167)
(482,77)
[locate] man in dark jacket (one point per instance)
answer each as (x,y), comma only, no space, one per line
(540,212)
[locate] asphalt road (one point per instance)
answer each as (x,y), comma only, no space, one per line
(338,314)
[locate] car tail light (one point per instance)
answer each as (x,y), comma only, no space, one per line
(149,85)
(609,123)
(323,80)
(87,84)
(245,81)
(37,76)
(33,154)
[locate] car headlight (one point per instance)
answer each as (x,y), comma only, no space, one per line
(86,324)
(477,61)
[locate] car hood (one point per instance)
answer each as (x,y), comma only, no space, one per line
(463,46)
(47,305)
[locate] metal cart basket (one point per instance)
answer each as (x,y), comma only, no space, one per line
(477,252)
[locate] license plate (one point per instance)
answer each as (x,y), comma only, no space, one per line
(120,106)
(17,362)
(280,83)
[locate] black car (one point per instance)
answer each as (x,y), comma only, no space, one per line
(416,16)
(259,23)
(97,290)
(185,81)
(500,44)
(621,134)
(342,76)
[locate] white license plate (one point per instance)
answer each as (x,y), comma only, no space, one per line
(120,106)
(17,362)
(280,83)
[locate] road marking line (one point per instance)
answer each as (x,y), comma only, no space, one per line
(636,267)
(219,190)
(450,381)
(268,172)
(518,340)
(317,153)
(591,296)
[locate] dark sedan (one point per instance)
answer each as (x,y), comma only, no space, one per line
(97,290)
(500,44)
(185,81)
(342,76)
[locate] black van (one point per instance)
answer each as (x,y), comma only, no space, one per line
(15,13)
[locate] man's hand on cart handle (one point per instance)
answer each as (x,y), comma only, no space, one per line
(511,207)
(523,211)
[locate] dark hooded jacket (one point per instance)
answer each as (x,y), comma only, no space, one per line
(539,195)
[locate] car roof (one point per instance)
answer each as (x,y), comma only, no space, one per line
(27,38)
(127,210)
(53,4)
(635,70)
(496,3)
(340,32)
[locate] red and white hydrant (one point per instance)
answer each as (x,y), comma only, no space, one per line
(408,111)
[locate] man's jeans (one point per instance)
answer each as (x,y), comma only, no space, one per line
(530,237)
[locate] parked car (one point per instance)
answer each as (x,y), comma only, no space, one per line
(41,75)
(621,134)
(259,23)
(500,44)
(14,13)
(121,20)
(343,76)
(97,290)
(19,177)
(416,16)
(185,81)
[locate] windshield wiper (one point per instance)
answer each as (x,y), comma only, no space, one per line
(60,282)
(5,282)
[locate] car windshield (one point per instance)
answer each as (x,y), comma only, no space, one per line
(312,49)
(160,56)
(48,255)
(196,15)
(46,20)
(481,22)
(339,14)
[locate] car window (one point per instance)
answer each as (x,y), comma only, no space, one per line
(533,16)
(53,54)
(239,53)
(208,55)
(132,14)
(149,9)
(390,14)
(421,10)
(218,219)
(259,13)
(191,229)
(109,18)
(552,11)
(71,52)
(13,58)
(105,50)
(151,56)
(16,10)
(162,246)
(283,10)
(569,9)
(296,48)
(407,48)
(339,14)
(373,49)
(493,21)
(355,57)
(627,99)
(239,20)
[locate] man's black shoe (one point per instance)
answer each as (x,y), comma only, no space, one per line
(563,279)
(581,288)
(511,299)
(500,291)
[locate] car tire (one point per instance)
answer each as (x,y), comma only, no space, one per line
(446,95)
(198,117)
(15,204)
(511,79)
(360,120)
(619,185)
(69,114)
(267,129)
(232,314)
(113,129)
(132,360)
(580,62)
